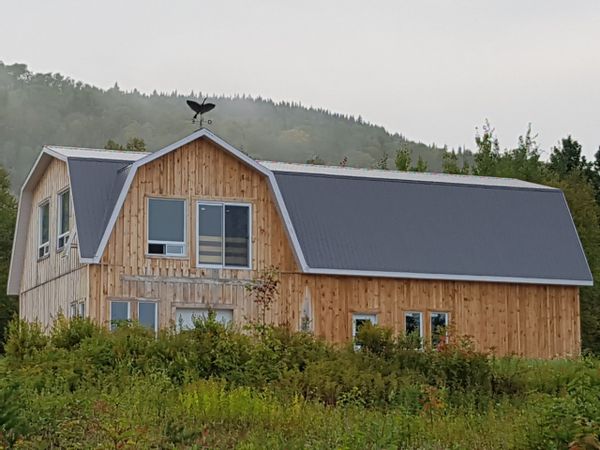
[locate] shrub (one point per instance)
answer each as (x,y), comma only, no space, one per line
(24,339)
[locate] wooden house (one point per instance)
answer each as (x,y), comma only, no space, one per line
(160,237)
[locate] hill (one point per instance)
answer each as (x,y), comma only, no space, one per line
(38,109)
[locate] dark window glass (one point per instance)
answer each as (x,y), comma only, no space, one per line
(156,249)
(439,323)
(166,220)
(237,235)
(44,223)
(64,213)
(413,324)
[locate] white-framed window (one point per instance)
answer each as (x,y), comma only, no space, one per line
(166,227)
(63,219)
(44,229)
(439,322)
(119,311)
(224,232)
(358,320)
(77,309)
(413,323)
(148,314)
(184,317)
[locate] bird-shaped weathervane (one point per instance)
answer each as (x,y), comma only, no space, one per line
(200,109)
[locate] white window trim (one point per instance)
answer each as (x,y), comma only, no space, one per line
(223,265)
(362,316)
(110,321)
(167,243)
(421,322)
(64,235)
(155,312)
(45,245)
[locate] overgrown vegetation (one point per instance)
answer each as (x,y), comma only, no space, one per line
(81,386)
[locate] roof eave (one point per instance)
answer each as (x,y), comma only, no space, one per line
(450,277)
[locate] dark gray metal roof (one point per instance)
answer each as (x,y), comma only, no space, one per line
(95,186)
(432,229)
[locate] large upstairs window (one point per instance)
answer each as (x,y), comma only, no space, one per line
(224,235)
(166,227)
(44,229)
(63,225)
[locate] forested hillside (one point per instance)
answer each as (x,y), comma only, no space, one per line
(37,109)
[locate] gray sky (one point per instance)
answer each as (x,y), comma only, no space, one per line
(432,70)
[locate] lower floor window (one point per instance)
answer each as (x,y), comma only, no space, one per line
(77,309)
(185,317)
(413,324)
(148,315)
(119,311)
(358,320)
(439,325)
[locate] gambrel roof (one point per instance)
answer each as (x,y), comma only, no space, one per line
(359,222)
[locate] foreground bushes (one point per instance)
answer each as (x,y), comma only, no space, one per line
(82,386)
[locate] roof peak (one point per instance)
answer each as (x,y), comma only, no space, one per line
(381,174)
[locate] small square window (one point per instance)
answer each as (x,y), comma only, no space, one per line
(358,320)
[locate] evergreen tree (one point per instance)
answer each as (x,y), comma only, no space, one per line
(402,160)
(421,166)
(8,216)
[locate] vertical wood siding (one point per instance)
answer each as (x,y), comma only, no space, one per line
(531,320)
(51,283)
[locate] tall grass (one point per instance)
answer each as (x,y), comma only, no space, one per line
(216,387)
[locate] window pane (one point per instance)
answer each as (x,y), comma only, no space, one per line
(237,235)
(147,314)
(210,234)
(166,219)
(64,212)
(359,320)
(184,317)
(118,311)
(44,223)
(412,323)
(439,323)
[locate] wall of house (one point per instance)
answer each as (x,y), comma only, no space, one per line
(538,321)
(50,284)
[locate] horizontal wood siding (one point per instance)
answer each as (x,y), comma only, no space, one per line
(531,320)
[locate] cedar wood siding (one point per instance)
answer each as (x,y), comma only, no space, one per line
(530,320)
(48,286)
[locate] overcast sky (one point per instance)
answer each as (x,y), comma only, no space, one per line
(432,70)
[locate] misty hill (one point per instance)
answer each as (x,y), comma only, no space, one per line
(37,109)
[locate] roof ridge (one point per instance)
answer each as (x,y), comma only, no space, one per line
(92,149)
(401,175)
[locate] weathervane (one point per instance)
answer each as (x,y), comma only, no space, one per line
(200,109)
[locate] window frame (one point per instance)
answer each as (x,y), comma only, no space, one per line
(224,204)
(421,323)
(362,316)
(431,330)
(149,241)
(111,325)
(204,307)
(59,224)
(152,302)
(45,245)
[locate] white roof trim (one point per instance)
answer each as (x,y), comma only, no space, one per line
(228,147)
(401,176)
(94,153)
(450,277)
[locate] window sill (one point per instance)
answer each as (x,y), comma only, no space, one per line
(182,257)
(223,268)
